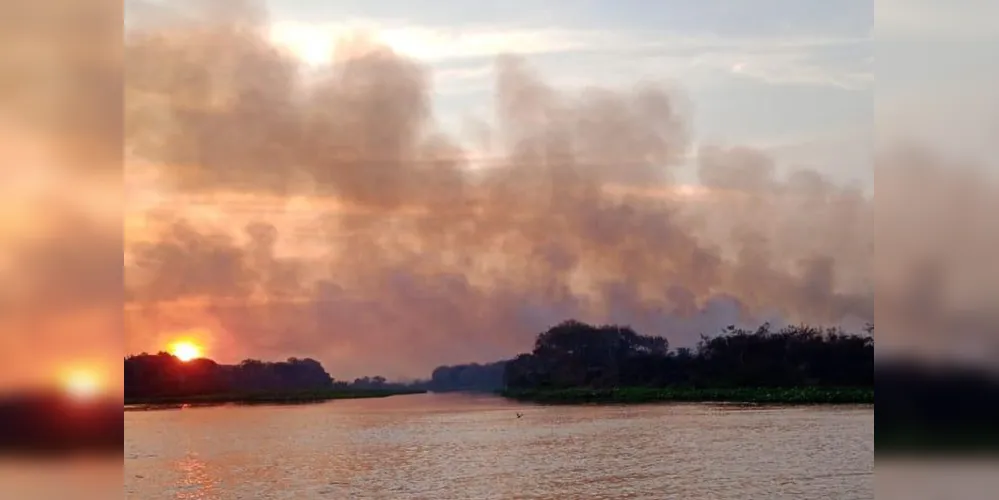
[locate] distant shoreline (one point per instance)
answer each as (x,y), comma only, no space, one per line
(271,398)
(646,395)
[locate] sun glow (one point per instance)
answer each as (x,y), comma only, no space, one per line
(310,44)
(185,350)
(81,384)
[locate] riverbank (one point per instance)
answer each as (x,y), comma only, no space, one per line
(298,397)
(638,395)
(914,440)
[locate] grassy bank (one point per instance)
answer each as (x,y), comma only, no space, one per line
(297,397)
(912,440)
(636,395)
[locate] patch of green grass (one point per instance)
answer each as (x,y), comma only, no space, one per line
(637,395)
(292,397)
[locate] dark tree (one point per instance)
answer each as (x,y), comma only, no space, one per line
(575,354)
(163,375)
(470,377)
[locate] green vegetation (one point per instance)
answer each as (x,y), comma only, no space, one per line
(285,397)
(634,395)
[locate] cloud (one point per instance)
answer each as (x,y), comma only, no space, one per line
(316,42)
(793,60)
(795,69)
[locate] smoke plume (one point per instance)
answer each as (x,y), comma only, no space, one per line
(325,214)
(60,188)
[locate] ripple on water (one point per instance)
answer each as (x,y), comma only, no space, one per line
(447,446)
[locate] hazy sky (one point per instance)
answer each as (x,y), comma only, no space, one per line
(794,77)
(280,212)
(937,78)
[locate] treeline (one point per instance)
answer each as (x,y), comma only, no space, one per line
(379,383)
(941,407)
(163,375)
(50,423)
(472,377)
(577,355)
(468,377)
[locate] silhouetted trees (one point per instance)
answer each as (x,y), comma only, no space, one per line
(575,354)
(376,382)
(293,374)
(151,376)
(936,406)
(163,375)
(570,354)
(468,377)
(45,423)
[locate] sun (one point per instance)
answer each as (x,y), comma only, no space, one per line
(185,350)
(81,384)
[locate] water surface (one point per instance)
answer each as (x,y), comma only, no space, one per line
(436,446)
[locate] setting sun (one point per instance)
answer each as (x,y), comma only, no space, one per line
(81,384)
(185,350)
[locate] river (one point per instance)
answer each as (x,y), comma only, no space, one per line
(455,446)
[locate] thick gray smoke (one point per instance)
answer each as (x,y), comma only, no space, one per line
(327,215)
(937,238)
